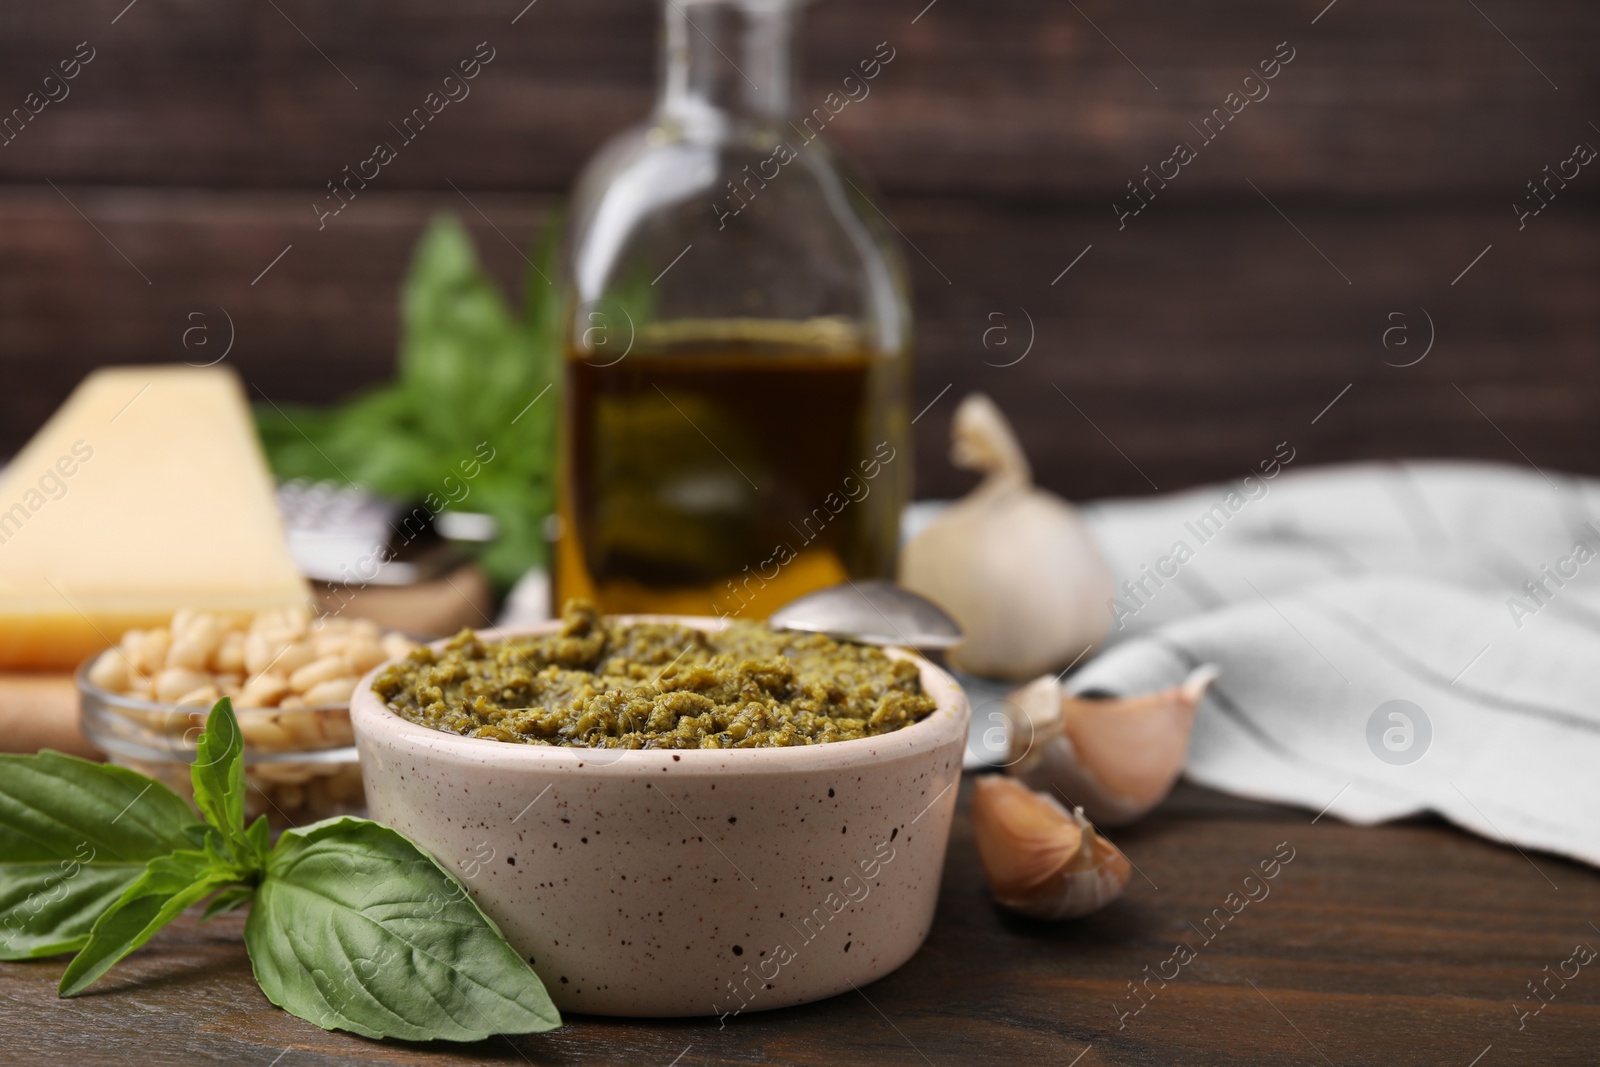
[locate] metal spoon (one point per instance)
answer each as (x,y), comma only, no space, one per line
(873,612)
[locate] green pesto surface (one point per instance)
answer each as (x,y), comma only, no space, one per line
(596,683)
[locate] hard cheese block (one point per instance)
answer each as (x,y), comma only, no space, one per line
(145,493)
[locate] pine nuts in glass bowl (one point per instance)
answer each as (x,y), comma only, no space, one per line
(290,676)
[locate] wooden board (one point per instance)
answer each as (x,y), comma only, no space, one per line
(41,711)
(1402,945)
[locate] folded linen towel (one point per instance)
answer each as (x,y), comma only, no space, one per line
(1392,638)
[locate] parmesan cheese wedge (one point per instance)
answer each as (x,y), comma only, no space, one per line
(146,492)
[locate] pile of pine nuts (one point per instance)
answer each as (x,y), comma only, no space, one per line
(290,677)
(280,659)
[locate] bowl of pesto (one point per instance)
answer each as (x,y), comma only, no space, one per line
(670,815)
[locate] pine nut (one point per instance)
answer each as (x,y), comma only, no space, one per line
(264,690)
(175,682)
(230,654)
(332,691)
(365,654)
(203,697)
(396,645)
(110,671)
(322,670)
(263,733)
(152,653)
(295,656)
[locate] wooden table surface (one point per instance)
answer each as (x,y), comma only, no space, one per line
(1412,943)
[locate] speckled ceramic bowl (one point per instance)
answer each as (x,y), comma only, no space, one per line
(687,882)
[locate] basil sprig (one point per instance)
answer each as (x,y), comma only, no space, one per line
(352,926)
(470,369)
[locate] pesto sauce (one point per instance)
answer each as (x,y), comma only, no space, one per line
(597,683)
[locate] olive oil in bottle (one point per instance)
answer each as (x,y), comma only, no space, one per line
(726,478)
(734,429)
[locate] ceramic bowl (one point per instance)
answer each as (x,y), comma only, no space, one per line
(668,882)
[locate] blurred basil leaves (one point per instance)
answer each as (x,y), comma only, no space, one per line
(473,379)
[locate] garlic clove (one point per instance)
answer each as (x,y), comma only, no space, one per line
(1040,859)
(1014,565)
(1118,758)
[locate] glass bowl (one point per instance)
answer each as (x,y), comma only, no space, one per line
(299,764)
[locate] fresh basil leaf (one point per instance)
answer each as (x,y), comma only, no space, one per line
(168,886)
(73,835)
(461,351)
(218,771)
(519,539)
(230,899)
(356,928)
(544,303)
(259,837)
(49,908)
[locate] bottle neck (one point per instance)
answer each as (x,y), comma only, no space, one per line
(726,62)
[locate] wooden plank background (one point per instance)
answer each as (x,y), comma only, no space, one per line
(1221,320)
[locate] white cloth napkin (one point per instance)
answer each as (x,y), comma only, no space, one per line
(1468,591)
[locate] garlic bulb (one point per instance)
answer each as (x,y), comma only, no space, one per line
(1117,758)
(1040,859)
(1014,564)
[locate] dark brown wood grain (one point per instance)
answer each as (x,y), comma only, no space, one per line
(1020,97)
(1180,349)
(1401,945)
(1220,320)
